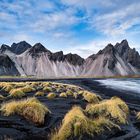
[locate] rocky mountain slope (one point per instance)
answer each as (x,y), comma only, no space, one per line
(38,61)
(113,60)
(7,66)
(129,55)
(17,48)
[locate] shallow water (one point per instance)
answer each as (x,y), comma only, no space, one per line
(127,84)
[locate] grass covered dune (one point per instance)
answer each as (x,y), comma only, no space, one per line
(61,111)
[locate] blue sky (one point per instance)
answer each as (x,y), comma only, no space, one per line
(77,26)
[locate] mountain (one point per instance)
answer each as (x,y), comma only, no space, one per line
(108,62)
(4,47)
(38,48)
(128,54)
(19,48)
(7,67)
(37,60)
(73,59)
(40,61)
(16,48)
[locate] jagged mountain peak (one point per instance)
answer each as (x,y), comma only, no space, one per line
(21,42)
(38,44)
(127,54)
(109,49)
(59,52)
(122,46)
(19,48)
(74,59)
(73,55)
(57,56)
(38,48)
(4,47)
(124,42)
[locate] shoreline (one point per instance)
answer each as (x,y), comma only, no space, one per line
(87,83)
(106,92)
(32,79)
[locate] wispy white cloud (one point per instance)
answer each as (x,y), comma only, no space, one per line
(89,4)
(117,22)
(55,21)
(61,21)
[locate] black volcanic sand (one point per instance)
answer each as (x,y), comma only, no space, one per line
(17,128)
(129,132)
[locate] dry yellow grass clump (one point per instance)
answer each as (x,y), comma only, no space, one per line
(35,84)
(76,125)
(1,97)
(114,109)
(27,88)
(20,84)
(17,93)
(69,93)
(51,95)
(46,84)
(63,95)
(91,97)
(40,93)
(6,86)
(31,109)
(80,92)
(47,89)
(138,115)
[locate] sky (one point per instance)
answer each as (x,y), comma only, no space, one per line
(77,26)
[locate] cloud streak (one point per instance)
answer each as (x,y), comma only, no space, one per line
(68,23)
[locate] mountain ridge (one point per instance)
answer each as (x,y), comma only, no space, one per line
(37,60)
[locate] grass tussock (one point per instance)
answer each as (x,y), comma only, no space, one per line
(69,93)
(40,93)
(8,88)
(76,125)
(114,109)
(27,88)
(47,89)
(138,116)
(20,84)
(17,93)
(63,95)
(47,84)
(80,92)
(31,109)
(35,84)
(91,97)
(2,97)
(51,95)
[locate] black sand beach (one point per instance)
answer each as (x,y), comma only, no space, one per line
(17,128)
